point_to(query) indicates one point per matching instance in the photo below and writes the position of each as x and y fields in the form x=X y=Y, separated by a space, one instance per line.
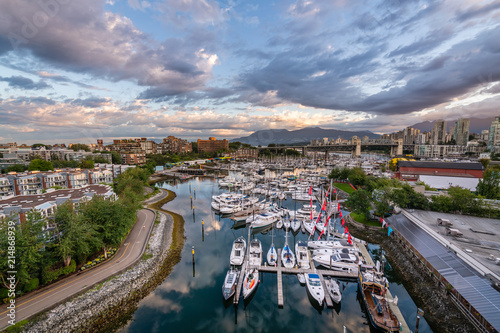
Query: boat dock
x=280 y=270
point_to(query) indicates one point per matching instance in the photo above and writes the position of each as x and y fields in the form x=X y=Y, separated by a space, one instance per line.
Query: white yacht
x=302 y=255
x=287 y=256
x=229 y=286
x=345 y=262
x=333 y=289
x=255 y=255
x=315 y=288
x=238 y=251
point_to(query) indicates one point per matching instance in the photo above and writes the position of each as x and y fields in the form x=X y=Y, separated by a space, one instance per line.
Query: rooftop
x=442 y=165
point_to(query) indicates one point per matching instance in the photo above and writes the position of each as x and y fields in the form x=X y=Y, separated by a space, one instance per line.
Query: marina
x=278 y=292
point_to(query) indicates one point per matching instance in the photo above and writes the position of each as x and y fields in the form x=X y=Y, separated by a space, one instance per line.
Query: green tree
x=87 y=164
x=79 y=146
x=15 y=168
x=485 y=162
x=234 y=145
x=40 y=165
x=357 y=176
x=359 y=202
x=65 y=164
x=464 y=201
x=75 y=237
x=29 y=242
x=489 y=185
x=441 y=203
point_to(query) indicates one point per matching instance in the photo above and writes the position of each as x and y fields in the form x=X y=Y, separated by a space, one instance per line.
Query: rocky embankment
x=111 y=304
x=440 y=311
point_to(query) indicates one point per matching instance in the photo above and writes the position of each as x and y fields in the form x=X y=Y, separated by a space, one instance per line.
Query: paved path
x=57 y=293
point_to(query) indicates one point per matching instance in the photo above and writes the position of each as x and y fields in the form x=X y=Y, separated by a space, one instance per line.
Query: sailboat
x=287 y=256
x=250 y=282
x=272 y=254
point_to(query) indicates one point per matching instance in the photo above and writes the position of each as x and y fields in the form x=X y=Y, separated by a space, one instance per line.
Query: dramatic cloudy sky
x=74 y=70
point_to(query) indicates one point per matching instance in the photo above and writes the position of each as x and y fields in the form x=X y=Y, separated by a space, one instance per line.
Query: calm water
x=190 y=299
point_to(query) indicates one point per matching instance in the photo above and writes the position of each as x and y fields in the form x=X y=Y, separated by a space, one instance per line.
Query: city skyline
x=76 y=72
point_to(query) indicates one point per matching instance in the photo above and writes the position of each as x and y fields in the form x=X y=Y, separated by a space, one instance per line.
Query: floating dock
x=280 y=270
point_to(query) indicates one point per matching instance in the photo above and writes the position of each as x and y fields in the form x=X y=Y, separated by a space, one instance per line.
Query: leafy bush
x=31 y=285
x=49 y=275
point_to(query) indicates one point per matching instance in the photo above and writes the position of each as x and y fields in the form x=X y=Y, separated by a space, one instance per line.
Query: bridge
x=354 y=147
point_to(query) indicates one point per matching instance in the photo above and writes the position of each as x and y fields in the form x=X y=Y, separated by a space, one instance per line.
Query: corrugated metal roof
x=442 y=165
x=473 y=287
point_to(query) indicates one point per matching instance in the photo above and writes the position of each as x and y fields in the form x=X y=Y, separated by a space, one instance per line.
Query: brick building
x=411 y=170
x=212 y=145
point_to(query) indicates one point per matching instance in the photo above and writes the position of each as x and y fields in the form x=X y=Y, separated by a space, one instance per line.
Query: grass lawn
x=344 y=187
x=361 y=219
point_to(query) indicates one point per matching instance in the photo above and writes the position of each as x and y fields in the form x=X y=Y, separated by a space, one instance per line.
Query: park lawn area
x=344 y=187
x=362 y=219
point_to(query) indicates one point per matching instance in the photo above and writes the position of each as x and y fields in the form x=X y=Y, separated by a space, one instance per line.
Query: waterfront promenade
x=46 y=298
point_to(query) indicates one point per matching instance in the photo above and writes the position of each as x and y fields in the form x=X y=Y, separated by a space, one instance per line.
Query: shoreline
x=109 y=306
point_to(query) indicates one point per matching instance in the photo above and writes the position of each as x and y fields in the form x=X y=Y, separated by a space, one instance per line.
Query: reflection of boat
x=238 y=251
x=230 y=282
x=255 y=255
x=315 y=288
x=373 y=287
x=332 y=287
x=251 y=281
x=302 y=255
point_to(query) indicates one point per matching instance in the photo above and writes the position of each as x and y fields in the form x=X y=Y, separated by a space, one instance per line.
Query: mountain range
x=283 y=136
x=476 y=125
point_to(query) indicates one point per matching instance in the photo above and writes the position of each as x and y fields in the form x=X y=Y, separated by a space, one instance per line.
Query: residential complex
x=212 y=145
x=36 y=182
x=494 y=135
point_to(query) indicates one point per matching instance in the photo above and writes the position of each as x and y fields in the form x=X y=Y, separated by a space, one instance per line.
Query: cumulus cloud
x=82 y=37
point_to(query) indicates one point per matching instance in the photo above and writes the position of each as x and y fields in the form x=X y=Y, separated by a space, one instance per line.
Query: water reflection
x=190 y=299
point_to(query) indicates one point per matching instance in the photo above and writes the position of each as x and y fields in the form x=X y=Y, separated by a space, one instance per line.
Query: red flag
x=324 y=206
x=340 y=213
x=338 y=207
x=349 y=239
x=314 y=227
x=334 y=190
x=346 y=230
x=343 y=222
x=311 y=212
x=381 y=220
x=310 y=190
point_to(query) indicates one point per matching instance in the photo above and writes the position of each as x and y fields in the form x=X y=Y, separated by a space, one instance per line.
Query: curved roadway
x=57 y=293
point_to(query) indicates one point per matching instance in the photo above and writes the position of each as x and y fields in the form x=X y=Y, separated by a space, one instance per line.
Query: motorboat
x=264 y=220
x=314 y=287
x=230 y=282
x=334 y=243
x=238 y=251
x=332 y=251
x=250 y=282
x=255 y=253
x=301 y=278
x=333 y=289
x=302 y=255
x=345 y=262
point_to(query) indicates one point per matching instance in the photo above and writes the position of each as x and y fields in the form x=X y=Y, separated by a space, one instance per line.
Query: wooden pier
x=241 y=278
